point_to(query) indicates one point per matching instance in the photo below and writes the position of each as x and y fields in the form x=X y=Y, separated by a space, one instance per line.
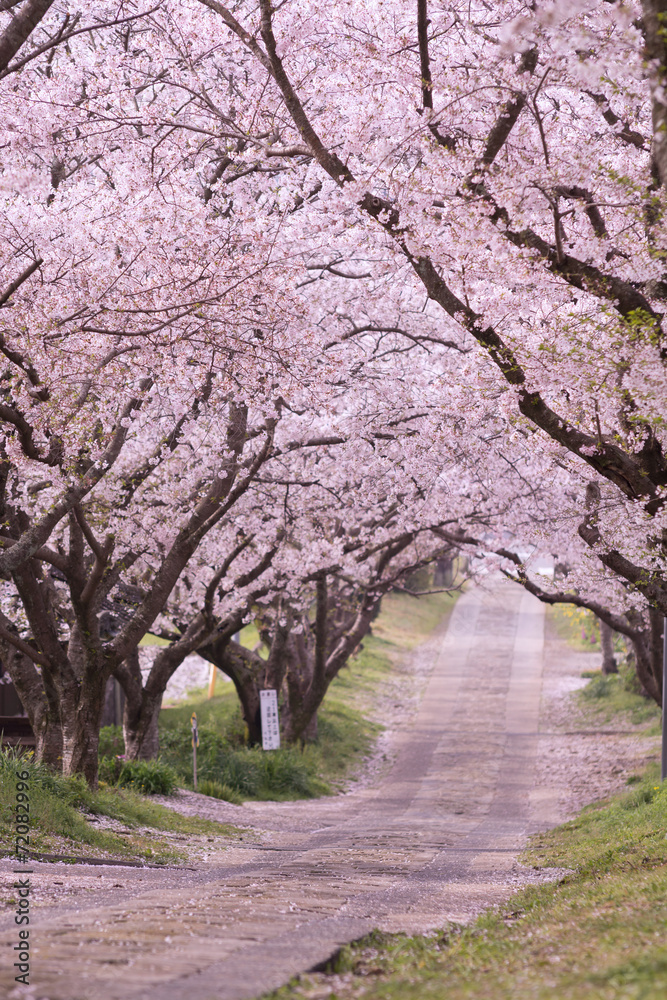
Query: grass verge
x=64 y=814
x=229 y=769
x=612 y=698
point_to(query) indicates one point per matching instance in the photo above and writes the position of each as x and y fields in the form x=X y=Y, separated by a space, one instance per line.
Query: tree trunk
x=607 y=643
x=315 y=658
x=40 y=702
x=252 y=714
x=81 y=707
x=141 y=711
x=301 y=727
x=81 y=737
x=246 y=670
x=48 y=741
x=297 y=712
x=647 y=648
x=140 y=728
x=656 y=654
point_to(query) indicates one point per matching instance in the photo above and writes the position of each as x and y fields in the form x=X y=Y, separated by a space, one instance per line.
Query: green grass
x=150 y=777
x=612 y=697
x=248 y=772
x=599 y=932
x=405 y=621
x=59 y=808
x=345 y=734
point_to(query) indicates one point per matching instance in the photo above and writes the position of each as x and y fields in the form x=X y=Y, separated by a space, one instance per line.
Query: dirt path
x=435 y=840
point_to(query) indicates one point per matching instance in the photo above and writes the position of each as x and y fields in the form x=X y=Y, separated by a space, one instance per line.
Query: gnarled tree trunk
x=140 y=712
x=319 y=653
x=81 y=712
x=607 y=643
x=249 y=673
x=647 y=646
x=40 y=702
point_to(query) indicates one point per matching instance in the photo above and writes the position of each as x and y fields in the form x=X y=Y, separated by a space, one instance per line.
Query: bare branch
x=20 y=28
x=23 y=647
x=424 y=59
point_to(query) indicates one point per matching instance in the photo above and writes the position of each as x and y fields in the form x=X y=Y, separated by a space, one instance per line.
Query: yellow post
x=211 y=680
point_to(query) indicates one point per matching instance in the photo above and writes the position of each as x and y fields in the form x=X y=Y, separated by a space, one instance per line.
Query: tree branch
x=239 y=31
x=20 y=28
x=332 y=164
x=23 y=647
x=507 y=119
x=63 y=37
x=424 y=59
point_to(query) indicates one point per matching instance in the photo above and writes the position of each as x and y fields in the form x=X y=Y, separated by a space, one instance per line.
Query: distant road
x=436 y=841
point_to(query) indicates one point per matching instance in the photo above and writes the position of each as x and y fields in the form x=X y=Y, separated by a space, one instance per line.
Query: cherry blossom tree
x=511 y=162
x=134 y=339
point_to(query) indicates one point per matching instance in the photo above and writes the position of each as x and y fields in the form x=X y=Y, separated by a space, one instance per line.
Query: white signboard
x=268 y=701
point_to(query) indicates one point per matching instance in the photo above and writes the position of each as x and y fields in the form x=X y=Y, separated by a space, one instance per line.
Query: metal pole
x=195 y=744
x=663 y=770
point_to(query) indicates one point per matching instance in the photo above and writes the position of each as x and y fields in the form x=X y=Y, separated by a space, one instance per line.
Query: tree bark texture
x=607 y=643
x=40 y=702
x=20 y=28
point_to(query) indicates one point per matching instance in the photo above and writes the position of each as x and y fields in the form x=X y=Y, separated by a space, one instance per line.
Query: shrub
x=599 y=687
x=111 y=741
x=217 y=790
x=248 y=772
x=151 y=777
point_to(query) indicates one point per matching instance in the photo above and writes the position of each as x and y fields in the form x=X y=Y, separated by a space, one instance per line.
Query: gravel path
x=482 y=762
